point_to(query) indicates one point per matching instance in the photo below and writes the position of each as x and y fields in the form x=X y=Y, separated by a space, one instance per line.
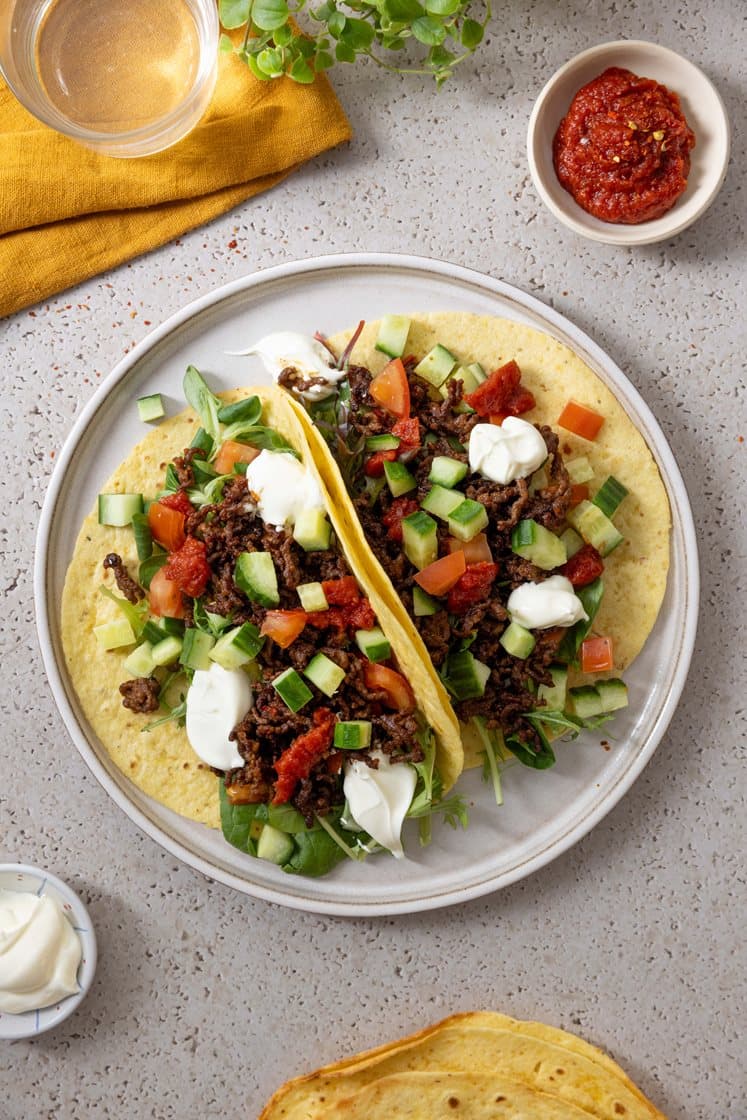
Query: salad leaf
x=246 y=412
x=267 y=439
x=542 y=759
x=203 y=401
x=316 y=853
x=135 y=613
x=591 y=597
x=236 y=821
x=149 y=567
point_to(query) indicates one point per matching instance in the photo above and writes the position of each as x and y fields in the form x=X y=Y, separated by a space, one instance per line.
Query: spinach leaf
x=315 y=854
x=591 y=597
x=537 y=760
x=247 y=412
x=236 y=821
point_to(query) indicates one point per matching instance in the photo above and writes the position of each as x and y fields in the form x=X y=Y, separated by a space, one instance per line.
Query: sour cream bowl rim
x=28 y=879
x=703 y=109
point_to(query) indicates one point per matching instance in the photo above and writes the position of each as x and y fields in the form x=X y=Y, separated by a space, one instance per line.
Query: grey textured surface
x=205 y=1000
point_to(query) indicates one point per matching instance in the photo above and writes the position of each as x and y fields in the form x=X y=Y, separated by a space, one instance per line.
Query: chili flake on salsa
x=623 y=148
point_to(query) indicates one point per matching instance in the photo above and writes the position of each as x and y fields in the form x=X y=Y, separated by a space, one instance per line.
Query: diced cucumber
x=467 y=520
x=441 y=501
x=436 y=365
x=579 y=470
x=292 y=689
x=392 y=337
x=353 y=735
x=140 y=663
x=447 y=472
x=167 y=651
x=573 y=543
x=248 y=639
x=477 y=372
x=613 y=694
x=236 y=647
x=422 y=603
x=465 y=676
x=150 y=408
x=595 y=527
x=274 y=846
x=312 y=597
x=119 y=509
x=609 y=496
x=537 y=544
x=585 y=701
x=172 y=626
x=399 y=479
x=554 y=694
x=152 y=632
x=325 y=674
x=114 y=634
x=374 y=644
x=312 y=530
x=256 y=576
x=469 y=384
x=385 y=442
x=517 y=640
x=420 y=539
x=197 y=646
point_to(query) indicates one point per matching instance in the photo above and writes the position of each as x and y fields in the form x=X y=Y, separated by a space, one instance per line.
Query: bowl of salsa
x=628 y=143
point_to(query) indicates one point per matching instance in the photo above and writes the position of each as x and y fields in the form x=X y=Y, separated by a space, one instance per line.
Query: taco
x=234 y=657
x=510 y=509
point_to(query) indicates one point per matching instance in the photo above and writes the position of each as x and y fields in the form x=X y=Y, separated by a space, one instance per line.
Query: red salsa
x=623 y=148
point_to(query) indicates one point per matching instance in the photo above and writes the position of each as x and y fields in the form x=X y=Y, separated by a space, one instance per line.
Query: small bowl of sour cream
x=47 y=951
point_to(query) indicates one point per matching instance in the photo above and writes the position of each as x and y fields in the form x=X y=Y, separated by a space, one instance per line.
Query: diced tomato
x=475 y=551
x=232 y=452
x=399 y=509
x=472 y=587
x=497 y=418
x=501 y=394
x=188 y=567
x=338 y=592
x=408 y=433
x=596 y=655
x=580 y=420
x=335 y=761
x=374 y=466
x=359 y=616
x=579 y=494
x=584 y=567
x=178 y=501
x=298 y=760
x=399 y=694
x=440 y=576
x=334 y=618
x=167 y=526
x=391 y=389
x=283 y=626
x=164 y=597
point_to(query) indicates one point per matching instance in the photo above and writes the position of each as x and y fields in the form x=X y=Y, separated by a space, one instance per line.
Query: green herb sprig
x=446 y=31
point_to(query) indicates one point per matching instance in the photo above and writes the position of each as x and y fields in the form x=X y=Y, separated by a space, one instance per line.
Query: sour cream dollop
x=217 y=700
x=283 y=486
x=39 y=953
x=315 y=378
x=379 y=799
x=503 y=454
x=538 y=606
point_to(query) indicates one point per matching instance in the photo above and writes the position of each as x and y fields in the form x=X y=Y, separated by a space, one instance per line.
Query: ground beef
x=126 y=584
x=183 y=465
x=140 y=694
x=436 y=632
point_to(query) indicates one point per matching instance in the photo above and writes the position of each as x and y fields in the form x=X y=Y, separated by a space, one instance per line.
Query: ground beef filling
x=131 y=590
x=140 y=694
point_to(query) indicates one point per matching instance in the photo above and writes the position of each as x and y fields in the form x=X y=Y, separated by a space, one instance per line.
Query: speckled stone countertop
x=205 y=1000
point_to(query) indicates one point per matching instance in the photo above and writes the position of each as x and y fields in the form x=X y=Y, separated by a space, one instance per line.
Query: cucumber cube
x=140 y=663
x=150 y=408
x=384 y=442
x=197 y=646
x=554 y=695
x=467 y=520
x=255 y=575
x=399 y=480
x=537 y=544
x=447 y=472
x=312 y=597
x=441 y=501
x=573 y=543
x=374 y=644
x=422 y=603
x=274 y=845
x=579 y=470
x=312 y=530
x=613 y=694
x=393 y=332
x=353 y=735
x=596 y=529
x=292 y=690
x=609 y=496
x=325 y=674
x=114 y=634
x=465 y=676
x=436 y=365
x=585 y=702
x=236 y=647
x=420 y=539
x=119 y=509
x=517 y=641
x=167 y=651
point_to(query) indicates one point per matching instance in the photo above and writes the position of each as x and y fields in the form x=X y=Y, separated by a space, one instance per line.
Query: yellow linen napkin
x=67 y=213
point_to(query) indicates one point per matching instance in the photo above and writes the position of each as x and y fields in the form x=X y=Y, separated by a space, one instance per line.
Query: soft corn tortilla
x=532 y=1057
x=635 y=574
x=161 y=762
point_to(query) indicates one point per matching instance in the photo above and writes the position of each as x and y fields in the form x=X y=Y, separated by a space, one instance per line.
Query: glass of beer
x=124 y=77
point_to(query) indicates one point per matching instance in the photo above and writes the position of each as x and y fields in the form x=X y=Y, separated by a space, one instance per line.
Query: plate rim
x=294 y=269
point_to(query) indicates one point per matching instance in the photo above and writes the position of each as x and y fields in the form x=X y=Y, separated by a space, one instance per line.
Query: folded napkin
x=67 y=213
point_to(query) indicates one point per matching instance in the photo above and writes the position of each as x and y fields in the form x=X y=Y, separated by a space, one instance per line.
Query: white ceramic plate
x=544 y=813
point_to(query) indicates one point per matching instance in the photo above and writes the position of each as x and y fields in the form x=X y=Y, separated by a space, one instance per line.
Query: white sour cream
x=283 y=487
x=217 y=700
x=307 y=356
x=503 y=454
x=379 y=799
x=39 y=953
x=538 y=606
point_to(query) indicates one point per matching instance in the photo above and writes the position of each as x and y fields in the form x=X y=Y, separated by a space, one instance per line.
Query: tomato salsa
x=623 y=148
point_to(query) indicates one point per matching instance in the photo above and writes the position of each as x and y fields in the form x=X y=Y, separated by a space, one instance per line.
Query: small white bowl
x=32 y=880
x=703 y=109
